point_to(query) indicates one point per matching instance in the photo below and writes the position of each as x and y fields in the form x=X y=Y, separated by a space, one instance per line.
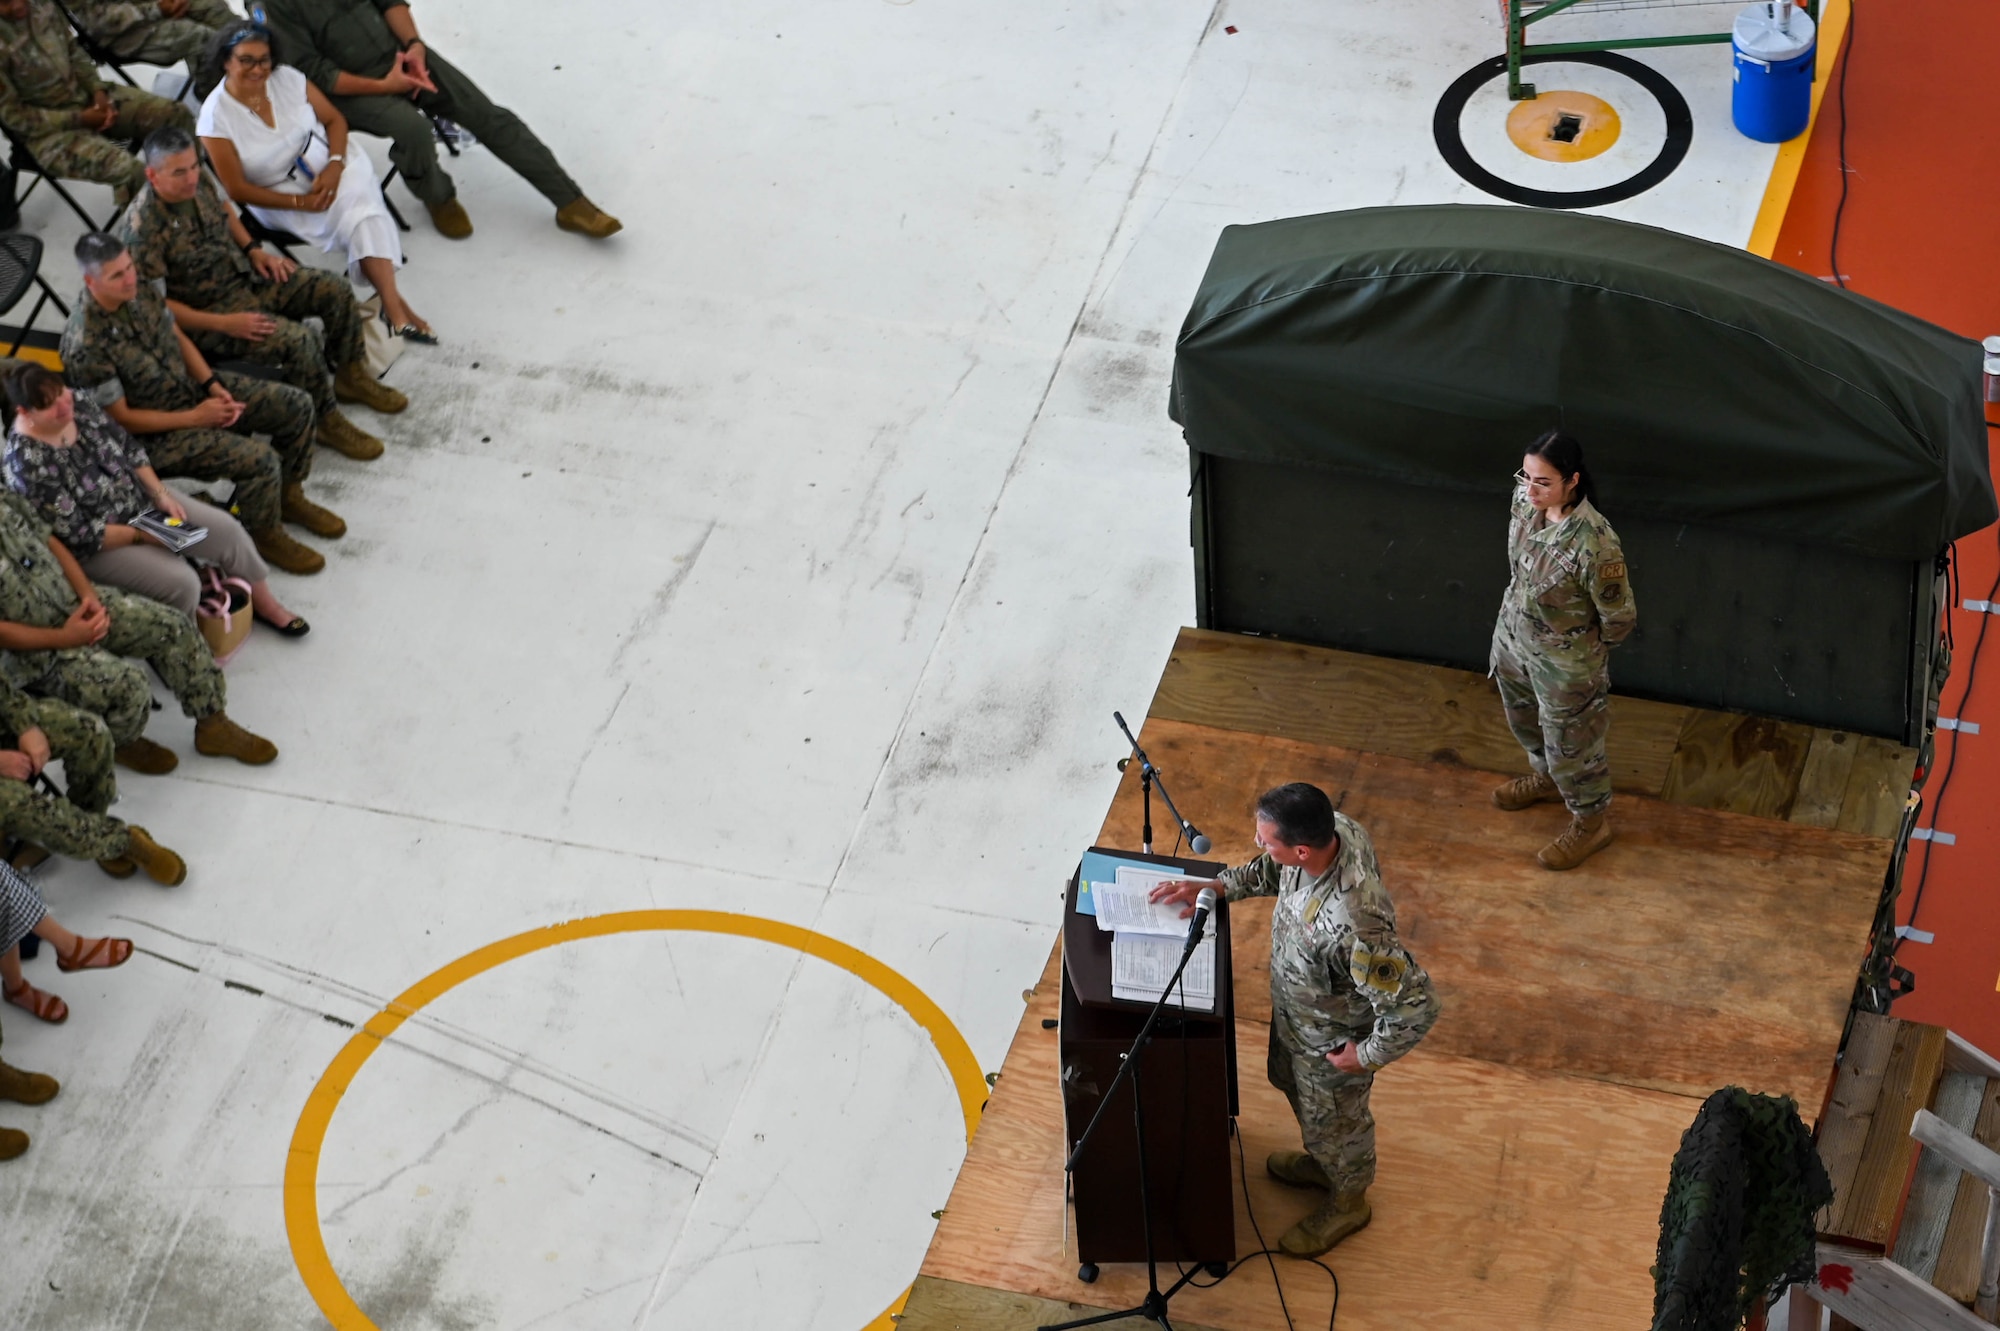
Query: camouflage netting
x=1737 y=1225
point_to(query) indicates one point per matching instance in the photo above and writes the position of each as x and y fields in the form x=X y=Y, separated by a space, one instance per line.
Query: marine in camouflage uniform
x=134 y=354
x=139 y=31
x=37 y=591
x=78 y=825
x=1339 y=975
x=193 y=251
x=1569 y=601
x=47 y=83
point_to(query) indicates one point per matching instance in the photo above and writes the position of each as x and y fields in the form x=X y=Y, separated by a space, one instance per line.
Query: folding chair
x=270 y=235
x=100 y=54
x=20 y=268
x=21 y=160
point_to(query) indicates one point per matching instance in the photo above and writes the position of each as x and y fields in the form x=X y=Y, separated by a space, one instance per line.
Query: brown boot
x=1336 y=1219
x=319 y=521
x=450 y=219
x=13 y=1143
x=27 y=1088
x=161 y=865
x=586 y=219
x=281 y=551
x=1298 y=1169
x=346 y=438
x=355 y=384
x=1524 y=791
x=142 y=755
x=219 y=737
x=1583 y=838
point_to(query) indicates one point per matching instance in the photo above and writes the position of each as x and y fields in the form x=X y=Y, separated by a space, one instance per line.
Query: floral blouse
x=79 y=487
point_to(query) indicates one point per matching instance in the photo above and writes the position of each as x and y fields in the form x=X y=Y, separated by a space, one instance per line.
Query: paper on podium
x=1123 y=905
x=1142 y=963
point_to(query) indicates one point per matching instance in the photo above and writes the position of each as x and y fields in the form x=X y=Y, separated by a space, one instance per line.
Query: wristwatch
x=336 y=157
x=210 y=382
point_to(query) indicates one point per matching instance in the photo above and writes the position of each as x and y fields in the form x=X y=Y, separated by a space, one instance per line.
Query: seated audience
x=67 y=639
x=122 y=350
x=74 y=824
x=239 y=301
x=51 y=95
x=22 y=913
x=88 y=479
x=25 y=1088
x=281 y=150
x=367 y=56
x=152 y=32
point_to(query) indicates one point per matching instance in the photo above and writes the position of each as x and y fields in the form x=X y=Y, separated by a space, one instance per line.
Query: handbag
x=223 y=613
x=381 y=347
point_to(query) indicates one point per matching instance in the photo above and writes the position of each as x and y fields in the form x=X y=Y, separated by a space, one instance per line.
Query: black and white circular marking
x=1672 y=128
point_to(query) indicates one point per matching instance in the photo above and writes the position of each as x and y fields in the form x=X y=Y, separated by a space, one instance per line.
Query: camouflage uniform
x=76 y=826
x=47 y=82
x=131 y=352
x=186 y=249
x=35 y=592
x=1568 y=603
x=1338 y=975
x=140 y=33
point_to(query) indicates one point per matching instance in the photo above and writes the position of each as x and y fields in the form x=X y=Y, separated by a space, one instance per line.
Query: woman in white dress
x=281 y=150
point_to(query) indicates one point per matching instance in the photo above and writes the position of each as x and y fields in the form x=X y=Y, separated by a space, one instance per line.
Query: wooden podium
x=1188 y=1087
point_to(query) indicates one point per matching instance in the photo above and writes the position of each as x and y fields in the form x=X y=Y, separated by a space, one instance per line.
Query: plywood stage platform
x=1524 y=1147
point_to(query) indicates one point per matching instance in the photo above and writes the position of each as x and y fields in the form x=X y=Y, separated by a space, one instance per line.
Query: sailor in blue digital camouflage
x=65 y=638
x=1569 y=601
x=1347 y=998
x=123 y=350
x=77 y=126
x=239 y=301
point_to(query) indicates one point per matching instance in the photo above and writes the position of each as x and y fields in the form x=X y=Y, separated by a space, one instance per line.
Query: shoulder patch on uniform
x=1380 y=971
x=1613 y=592
x=1613 y=571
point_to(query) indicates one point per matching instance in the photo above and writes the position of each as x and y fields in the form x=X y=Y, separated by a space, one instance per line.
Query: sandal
x=99 y=954
x=423 y=337
x=40 y=1002
x=292 y=628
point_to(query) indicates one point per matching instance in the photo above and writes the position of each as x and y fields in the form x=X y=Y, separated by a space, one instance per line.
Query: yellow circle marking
x=302 y=1160
x=1563 y=126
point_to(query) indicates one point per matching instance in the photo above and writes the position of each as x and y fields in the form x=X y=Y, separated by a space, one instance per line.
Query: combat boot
x=219 y=737
x=450 y=219
x=1525 y=791
x=142 y=755
x=349 y=440
x=13 y=1143
x=281 y=551
x=587 y=219
x=319 y=521
x=355 y=384
x=27 y=1088
x=1336 y=1219
x=142 y=852
x=1583 y=838
x=1298 y=1169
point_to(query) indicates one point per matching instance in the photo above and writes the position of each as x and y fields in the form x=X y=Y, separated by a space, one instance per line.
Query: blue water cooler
x=1775 y=46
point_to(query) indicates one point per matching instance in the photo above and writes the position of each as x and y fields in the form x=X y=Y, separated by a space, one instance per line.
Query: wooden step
x=1891 y=1070
x=1957 y=1266
x=1937 y=1184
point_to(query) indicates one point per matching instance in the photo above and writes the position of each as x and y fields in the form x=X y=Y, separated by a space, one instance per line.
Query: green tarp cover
x=1428 y=344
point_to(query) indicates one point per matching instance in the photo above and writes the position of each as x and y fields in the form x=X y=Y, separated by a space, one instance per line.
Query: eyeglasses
x=251 y=61
x=1535 y=483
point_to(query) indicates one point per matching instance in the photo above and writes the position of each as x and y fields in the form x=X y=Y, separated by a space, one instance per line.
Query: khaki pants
x=169 y=578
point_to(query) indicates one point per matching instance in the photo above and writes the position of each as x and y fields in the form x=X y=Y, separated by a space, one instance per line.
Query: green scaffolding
x=1521 y=13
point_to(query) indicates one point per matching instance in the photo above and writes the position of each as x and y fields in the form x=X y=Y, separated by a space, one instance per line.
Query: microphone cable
x=1267 y=1252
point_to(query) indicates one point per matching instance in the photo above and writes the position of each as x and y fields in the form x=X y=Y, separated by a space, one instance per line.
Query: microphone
x=1204 y=906
x=1197 y=843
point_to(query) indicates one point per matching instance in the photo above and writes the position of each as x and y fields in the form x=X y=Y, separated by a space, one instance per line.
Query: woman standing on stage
x=1568 y=603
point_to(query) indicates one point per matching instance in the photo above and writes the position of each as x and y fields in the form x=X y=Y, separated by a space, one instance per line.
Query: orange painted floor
x=1918 y=232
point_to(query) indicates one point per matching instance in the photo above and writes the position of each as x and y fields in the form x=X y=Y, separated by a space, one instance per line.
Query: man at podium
x=1346 y=996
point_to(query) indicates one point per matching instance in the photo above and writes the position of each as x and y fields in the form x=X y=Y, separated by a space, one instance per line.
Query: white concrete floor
x=786 y=556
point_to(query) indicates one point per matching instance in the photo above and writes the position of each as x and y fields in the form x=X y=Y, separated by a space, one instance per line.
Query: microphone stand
x=1154 y=1306
x=1149 y=776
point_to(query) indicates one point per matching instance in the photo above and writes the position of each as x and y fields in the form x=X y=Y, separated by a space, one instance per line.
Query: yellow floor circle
x=302 y=1161
x=1563 y=126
